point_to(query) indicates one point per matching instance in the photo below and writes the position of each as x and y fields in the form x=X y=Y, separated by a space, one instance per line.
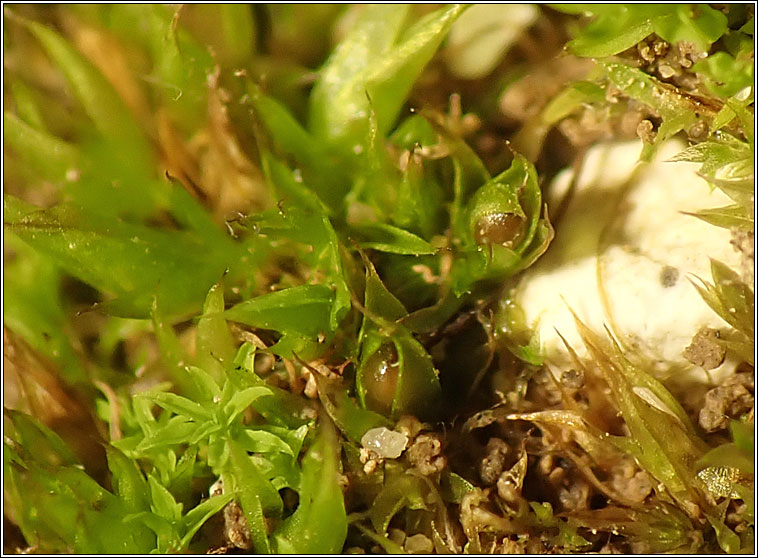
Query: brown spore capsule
x=379 y=377
x=499 y=228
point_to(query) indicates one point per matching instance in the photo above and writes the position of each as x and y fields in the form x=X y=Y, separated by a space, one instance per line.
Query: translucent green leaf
x=419 y=206
x=656 y=529
x=376 y=59
x=249 y=482
x=388 y=545
x=167 y=538
x=393 y=240
x=26 y=105
x=43 y=444
x=197 y=516
x=377 y=182
x=415 y=386
x=401 y=491
x=352 y=420
x=178 y=430
x=714 y=154
x=281 y=469
x=414 y=130
x=182 y=66
x=68 y=512
x=204 y=384
x=378 y=299
x=301 y=310
x=730 y=298
x=260 y=441
x=324 y=176
x=132 y=262
x=172 y=352
x=699 y=24
x=615 y=29
x=162 y=502
x=183 y=475
x=229 y=29
x=662 y=443
x=743 y=435
x=727 y=539
x=618 y=27
x=731 y=216
x=100 y=101
x=33 y=307
x=325 y=253
x=293 y=437
x=288 y=189
x=486 y=255
x=181 y=406
x=453 y=487
x=510 y=329
x=52 y=158
x=570 y=99
x=215 y=348
x=342 y=82
x=256 y=520
x=543 y=511
x=319 y=524
x=64 y=509
x=728 y=455
x=676 y=111
x=241 y=400
x=282 y=408
x=418 y=389
x=431 y=318
x=724 y=74
x=128 y=481
x=728 y=164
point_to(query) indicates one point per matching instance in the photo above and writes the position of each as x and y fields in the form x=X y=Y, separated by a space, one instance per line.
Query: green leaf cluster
x=617 y=27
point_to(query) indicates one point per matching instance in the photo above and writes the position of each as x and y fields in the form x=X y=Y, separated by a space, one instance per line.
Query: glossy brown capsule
x=506 y=229
x=379 y=377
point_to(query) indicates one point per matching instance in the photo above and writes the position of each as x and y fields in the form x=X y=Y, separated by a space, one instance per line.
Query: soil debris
x=492 y=464
x=730 y=400
x=426 y=454
x=706 y=349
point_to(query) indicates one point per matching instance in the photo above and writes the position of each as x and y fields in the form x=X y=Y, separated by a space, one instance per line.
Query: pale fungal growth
x=623 y=257
x=384 y=442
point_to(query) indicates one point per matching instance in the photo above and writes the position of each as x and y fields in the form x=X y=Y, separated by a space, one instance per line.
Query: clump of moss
x=229 y=256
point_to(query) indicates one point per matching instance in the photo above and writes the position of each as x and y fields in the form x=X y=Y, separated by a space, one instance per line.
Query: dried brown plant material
x=31 y=385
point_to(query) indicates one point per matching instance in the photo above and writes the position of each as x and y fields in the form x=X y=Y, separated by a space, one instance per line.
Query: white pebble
x=384 y=442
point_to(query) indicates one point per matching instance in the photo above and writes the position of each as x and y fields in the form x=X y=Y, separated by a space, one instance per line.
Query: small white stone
x=386 y=443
